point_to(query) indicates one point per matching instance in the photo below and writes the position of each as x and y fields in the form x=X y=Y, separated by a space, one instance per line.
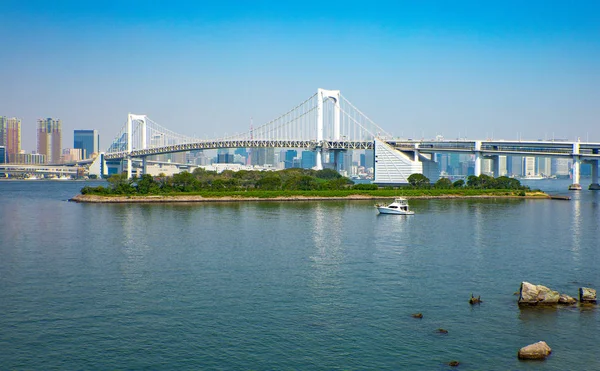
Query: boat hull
x=385 y=210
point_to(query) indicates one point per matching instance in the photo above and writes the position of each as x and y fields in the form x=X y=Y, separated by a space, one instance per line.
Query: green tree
x=119 y=184
x=443 y=183
x=327 y=174
x=271 y=182
x=504 y=182
x=418 y=180
x=146 y=185
x=338 y=183
x=184 y=182
x=459 y=183
x=487 y=182
x=302 y=183
x=473 y=181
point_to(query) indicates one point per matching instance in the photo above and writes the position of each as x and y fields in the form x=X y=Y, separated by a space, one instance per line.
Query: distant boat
x=32 y=177
x=533 y=177
x=398 y=207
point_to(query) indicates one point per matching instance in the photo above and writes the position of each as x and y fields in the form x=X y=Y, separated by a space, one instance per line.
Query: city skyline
x=504 y=70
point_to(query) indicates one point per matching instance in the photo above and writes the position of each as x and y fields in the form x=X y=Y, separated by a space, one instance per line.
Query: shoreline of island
x=238 y=198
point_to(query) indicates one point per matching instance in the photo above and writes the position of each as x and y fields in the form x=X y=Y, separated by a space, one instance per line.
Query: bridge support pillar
x=144 y=165
x=477 y=158
x=576 y=164
x=336 y=160
x=128 y=167
x=594 y=186
x=496 y=166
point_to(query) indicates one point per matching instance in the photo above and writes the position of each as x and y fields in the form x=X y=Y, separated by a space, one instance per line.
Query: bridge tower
x=322 y=96
x=143 y=143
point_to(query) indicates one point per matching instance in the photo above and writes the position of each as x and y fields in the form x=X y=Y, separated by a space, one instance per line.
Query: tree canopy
x=202 y=180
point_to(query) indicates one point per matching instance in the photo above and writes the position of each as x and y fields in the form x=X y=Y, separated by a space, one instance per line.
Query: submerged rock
x=417 y=315
x=453 y=363
x=475 y=300
x=587 y=295
x=539 y=350
x=566 y=300
x=441 y=331
x=531 y=294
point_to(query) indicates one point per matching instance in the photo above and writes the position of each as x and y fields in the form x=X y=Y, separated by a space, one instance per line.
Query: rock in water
x=475 y=300
x=566 y=300
x=539 y=350
x=453 y=363
x=417 y=315
x=441 y=331
x=531 y=294
x=587 y=295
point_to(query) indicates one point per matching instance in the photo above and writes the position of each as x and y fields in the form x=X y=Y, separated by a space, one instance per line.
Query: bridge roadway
x=485 y=148
x=502 y=147
x=245 y=143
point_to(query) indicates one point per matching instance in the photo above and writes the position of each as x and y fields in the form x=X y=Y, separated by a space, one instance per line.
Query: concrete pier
x=594 y=186
x=477 y=158
x=576 y=164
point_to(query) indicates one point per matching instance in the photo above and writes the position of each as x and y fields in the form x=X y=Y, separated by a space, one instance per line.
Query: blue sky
x=417 y=68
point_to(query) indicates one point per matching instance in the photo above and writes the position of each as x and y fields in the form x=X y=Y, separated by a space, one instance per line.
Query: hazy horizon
x=418 y=69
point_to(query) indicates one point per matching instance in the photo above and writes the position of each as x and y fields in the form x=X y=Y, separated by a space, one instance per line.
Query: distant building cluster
x=354 y=164
x=461 y=165
x=49 y=149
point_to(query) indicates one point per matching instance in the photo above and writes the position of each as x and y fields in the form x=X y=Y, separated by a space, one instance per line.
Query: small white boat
x=398 y=207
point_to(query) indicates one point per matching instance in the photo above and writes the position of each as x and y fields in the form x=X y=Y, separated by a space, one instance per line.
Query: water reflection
x=478 y=233
x=327 y=238
x=134 y=247
x=393 y=233
x=576 y=228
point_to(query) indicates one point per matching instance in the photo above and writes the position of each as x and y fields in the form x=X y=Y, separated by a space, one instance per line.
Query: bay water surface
x=291 y=285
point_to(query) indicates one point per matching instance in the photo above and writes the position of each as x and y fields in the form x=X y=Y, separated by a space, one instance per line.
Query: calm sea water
x=291 y=285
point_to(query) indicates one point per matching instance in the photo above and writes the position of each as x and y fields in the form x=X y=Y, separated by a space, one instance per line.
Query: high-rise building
x=502 y=167
x=347 y=162
x=560 y=166
x=26 y=158
x=2 y=155
x=88 y=141
x=72 y=154
x=3 y=131
x=486 y=167
x=49 y=139
x=243 y=153
x=529 y=166
x=290 y=155
x=308 y=160
x=369 y=158
x=225 y=158
x=263 y=156
x=544 y=166
x=516 y=166
x=10 y=135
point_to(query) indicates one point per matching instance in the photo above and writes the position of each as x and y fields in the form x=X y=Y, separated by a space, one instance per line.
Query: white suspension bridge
x=324 y=122
x=328 y=122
